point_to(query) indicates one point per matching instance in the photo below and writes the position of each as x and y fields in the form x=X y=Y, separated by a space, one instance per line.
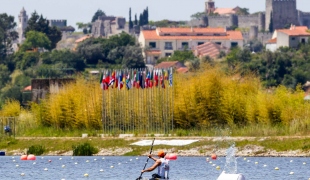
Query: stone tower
x=280 y=14
x=22 y=24
x=210 y=7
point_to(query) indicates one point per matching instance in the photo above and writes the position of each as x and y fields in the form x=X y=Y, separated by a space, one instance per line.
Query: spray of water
x=231 y=161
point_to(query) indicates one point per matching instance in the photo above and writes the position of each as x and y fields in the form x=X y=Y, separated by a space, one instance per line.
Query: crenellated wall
x=58 y=23
x=218 y=21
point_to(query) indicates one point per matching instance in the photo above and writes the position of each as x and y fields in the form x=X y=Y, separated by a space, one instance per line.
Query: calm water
x=184 y=168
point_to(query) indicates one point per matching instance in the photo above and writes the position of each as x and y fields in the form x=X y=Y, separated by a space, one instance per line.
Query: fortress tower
x=22 y=24
x=210 y=7
x=280 y=14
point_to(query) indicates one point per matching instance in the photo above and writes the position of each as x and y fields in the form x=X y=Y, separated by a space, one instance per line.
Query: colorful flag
x=147 y=80
x=128 y=81
x=112 y=79
x=156 y=78
x=170 y=77
x=120 y=80
x=107 y=79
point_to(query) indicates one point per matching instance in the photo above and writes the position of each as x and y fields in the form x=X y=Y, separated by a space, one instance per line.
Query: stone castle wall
x=58 y=23
x=245 y=21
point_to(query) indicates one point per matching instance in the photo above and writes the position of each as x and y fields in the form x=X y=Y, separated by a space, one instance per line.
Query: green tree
x=130 y=21
x=97 y=14
x=136 y=20
x=7 y=35
x=271 y=23
x=182 y=56
x=35 y=40
x=133 y=57
x=67 y=58
x=198 y=15
x=243 y=11
x=4 y=75
x=40 y=24
x=26 y=60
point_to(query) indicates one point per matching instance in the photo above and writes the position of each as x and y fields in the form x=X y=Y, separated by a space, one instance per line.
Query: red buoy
x=31 y=157
x=23 y=157
x=214 y=156
x=171 y=157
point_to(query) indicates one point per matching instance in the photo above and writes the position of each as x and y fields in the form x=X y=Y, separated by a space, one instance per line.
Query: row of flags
x=135 y=78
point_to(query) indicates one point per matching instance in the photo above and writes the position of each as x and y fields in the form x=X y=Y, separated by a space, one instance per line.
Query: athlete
x=162 y=164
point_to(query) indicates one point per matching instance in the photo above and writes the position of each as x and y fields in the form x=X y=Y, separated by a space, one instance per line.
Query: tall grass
x=203 y=101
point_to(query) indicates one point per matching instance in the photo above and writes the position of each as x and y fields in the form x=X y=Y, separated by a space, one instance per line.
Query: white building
x=162 y=42
x=288 y=37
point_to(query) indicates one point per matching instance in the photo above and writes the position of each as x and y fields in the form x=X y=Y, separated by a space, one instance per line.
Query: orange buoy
x=214 y=156
x=31 y=157
x=23 y=157
x=171 y=157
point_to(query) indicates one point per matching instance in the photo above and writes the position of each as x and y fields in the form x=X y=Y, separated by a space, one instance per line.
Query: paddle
x=146 y=160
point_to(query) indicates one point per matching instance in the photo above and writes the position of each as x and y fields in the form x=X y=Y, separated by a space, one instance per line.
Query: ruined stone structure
x=278 y=14
x=22 y=24
x=108 y=25
x=42 y=87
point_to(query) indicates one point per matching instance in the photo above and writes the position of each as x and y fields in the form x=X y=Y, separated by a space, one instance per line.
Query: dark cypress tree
x=136 y=20
x=141 y=20
x=40 y=24
x=271 y=23
x=144 y=17
x=147 y=16
x=130 y=21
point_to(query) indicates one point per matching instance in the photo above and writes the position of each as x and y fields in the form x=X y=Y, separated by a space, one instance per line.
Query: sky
x=83 y=10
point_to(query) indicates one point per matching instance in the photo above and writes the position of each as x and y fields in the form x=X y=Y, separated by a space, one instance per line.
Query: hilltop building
x=278 y=14
x=108 y=25
x=162 y=42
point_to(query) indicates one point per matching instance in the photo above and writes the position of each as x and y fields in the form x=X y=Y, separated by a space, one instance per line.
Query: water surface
x=184 y=168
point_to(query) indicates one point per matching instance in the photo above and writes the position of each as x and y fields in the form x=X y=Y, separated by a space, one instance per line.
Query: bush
x=36 y=150
x=85 y=149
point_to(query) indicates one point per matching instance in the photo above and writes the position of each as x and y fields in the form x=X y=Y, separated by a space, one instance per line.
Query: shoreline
x=205 y=147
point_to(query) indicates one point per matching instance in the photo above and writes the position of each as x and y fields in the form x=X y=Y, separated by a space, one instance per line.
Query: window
x=168 y=54
x=216 y=34
x=184 y=45
x=152 y=44
x=183 y=34
x=293 y=38
x=219 y=43
x=168 y=46
x=303 y=40
x=199 y=34
x=166 y=34
x=200 y=43
x=156 y=57
x=233 y=44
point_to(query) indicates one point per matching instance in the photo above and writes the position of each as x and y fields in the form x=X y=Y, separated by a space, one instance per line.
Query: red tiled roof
x=295 y=31
x=28 y=88
x=153 y=52
x=188 y=30
x=82 y=39
x=166 y=64
x=210 y=49
x=231 y=35
x=222 y=11
x=182 y=70
x=272 y=41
